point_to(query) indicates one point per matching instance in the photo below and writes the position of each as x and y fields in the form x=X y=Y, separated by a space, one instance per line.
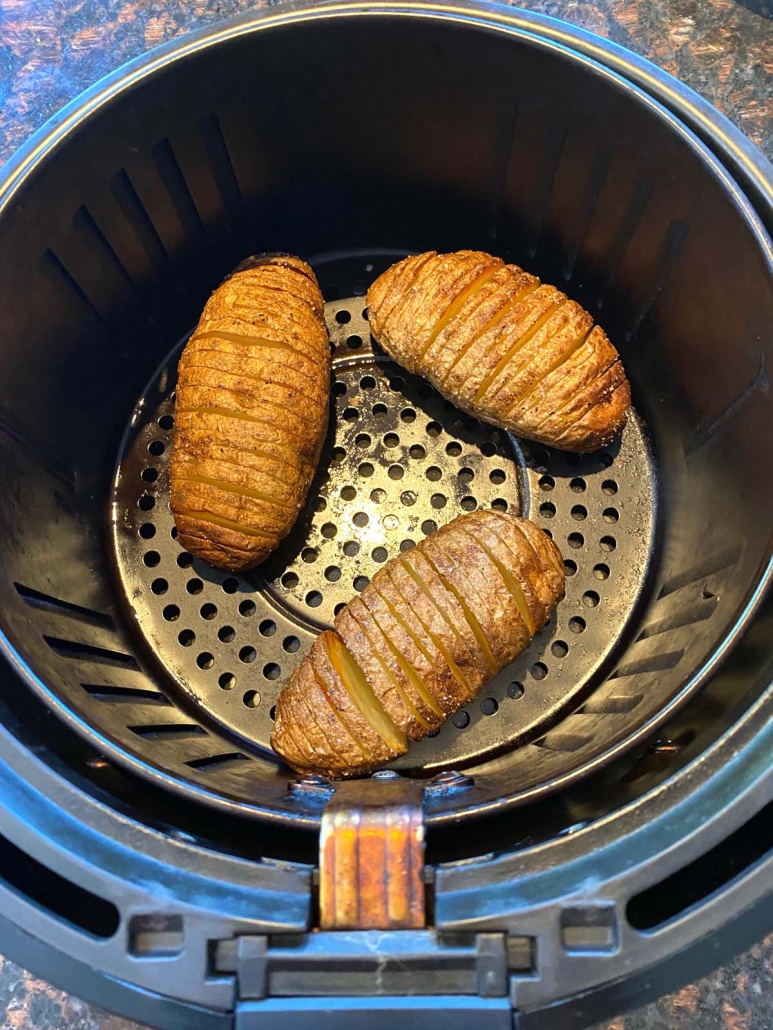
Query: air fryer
x=599 y=809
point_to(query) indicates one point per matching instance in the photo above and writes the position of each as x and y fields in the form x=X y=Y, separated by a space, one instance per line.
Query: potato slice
x=423 y=717
x=412 y=662
x=439 y=283
x=313 y=737
x=470 y=657
x=385 y=687
x=519 y=568
x=436 y=632
x=388 y=290
x=500 y=617
x=353 y=698
x=549 y=578
x=426 y=658
x=559 y=338
x=478 y=314
x=464 y=589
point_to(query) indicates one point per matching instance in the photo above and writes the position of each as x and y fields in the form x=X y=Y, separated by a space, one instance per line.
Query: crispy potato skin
x=503 y=347
x=251 y=412
x=436 y=615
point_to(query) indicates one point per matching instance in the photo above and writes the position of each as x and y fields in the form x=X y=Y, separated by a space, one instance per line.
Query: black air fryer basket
x=601 y=808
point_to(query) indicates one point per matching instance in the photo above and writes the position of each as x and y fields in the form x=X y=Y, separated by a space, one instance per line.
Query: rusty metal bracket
x=371 y=860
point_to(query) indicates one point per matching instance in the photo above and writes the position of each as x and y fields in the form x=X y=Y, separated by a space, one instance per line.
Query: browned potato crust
x=418 y=643
x=251 y=412
x=503 y=347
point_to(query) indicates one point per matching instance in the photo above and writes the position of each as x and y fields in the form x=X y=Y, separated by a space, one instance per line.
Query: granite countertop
x=50 y=50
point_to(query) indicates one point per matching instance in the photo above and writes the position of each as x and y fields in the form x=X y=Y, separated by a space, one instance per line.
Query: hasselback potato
x=433 y=626
x=251 y=412
x=502 y=346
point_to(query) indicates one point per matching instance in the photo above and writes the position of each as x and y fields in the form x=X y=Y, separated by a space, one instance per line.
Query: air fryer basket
x=142 y=682
x=439 y=140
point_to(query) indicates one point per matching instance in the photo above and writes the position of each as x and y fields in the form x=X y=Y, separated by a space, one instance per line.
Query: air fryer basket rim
x=729 y=144
x=65 y=827
x=123 y=80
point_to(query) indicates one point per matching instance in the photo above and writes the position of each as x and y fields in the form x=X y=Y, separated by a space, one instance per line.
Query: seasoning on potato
x=251 y=412
x=502 y=346
x=431 y=628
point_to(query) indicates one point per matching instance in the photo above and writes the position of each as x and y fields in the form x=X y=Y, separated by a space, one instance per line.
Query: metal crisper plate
x=399 y=462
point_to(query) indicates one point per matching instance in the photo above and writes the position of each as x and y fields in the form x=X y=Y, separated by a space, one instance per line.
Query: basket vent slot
x=90 y=653
x=710 y=565
x=563 y=742
x=687 y=617
x=217 y=761
x=45 y=602
x=653 y=663
x=139 y=219
x=611 y=705
x=125 y=695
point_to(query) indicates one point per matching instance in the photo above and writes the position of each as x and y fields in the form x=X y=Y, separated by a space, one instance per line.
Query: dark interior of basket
x=353 y=143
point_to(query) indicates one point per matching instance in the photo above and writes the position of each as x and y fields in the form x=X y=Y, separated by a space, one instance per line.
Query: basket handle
x=371 y=856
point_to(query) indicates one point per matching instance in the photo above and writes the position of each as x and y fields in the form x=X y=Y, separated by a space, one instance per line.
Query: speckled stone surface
x=50 y=50
x=737 y=997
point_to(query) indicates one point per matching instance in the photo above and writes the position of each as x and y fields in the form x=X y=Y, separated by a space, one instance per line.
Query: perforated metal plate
x=399 y=462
